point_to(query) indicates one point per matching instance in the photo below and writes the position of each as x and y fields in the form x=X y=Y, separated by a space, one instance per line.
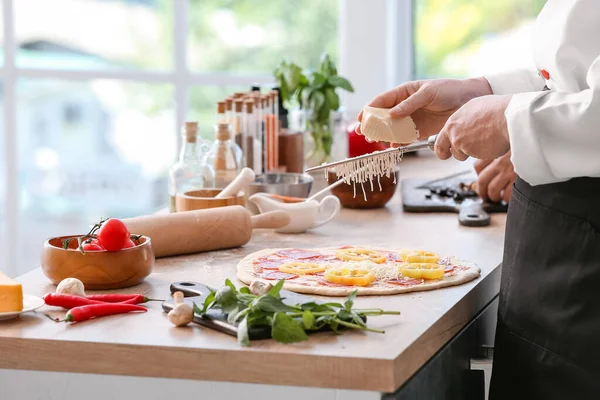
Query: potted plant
x=315 y=92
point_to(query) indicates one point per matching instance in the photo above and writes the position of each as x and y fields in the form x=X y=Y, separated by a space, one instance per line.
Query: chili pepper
x=68 y=301
x=121 y=298
x=83 y=313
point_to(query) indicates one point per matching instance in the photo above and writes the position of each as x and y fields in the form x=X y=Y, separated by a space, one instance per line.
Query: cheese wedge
x=11 y=295
x=378 y=126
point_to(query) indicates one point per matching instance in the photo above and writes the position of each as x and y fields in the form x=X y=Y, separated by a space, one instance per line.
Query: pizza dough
x=264 y=264
x=377 y=125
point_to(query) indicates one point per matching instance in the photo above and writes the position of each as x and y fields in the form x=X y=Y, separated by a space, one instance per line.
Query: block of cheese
x=378 y=126
x=11 y=295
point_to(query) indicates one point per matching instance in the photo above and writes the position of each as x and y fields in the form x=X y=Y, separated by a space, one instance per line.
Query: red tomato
x=93 y=245
x=130 y=243
x=113 y=234
x=358 y=145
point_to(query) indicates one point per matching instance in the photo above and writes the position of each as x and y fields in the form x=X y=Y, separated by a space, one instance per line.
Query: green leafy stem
x=288 y=323
x=315 y=91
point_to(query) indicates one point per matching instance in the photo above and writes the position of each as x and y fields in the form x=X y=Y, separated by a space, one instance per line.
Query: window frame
x=396 y=68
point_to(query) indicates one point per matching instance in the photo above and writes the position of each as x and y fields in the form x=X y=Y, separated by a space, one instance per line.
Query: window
x=98 y=90
x=460 y=38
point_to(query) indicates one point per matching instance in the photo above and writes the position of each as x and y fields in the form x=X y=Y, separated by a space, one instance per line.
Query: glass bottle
x=251 y=138
x=237 y=123
x=190 y=172
x=229 y=110
x=225 y=156
x=221 y=116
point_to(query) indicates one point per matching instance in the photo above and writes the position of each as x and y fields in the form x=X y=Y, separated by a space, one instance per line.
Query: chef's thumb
x=415 y=101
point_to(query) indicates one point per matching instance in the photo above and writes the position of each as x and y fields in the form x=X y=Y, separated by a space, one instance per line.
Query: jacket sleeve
x=555 y=136
x=517 y=81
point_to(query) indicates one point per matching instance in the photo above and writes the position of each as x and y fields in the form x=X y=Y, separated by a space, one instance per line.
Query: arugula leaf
x=232 y=316
x=340 y=82
x=208 y=302
x=285 y=329
x=231 y=286
x=308 y=319
x=245 y=298
x=336 y=305
x=242 y=333
x=226 y=299
x=350 y=300
x=311 y=305
x=270 y=304
x=274 y=291
x=245 y=290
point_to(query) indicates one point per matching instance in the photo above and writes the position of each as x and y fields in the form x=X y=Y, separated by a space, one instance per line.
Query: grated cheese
x=364 y=170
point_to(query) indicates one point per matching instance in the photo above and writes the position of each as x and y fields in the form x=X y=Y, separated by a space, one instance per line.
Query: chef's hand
x=430 y=102
x=478 y=129
x=495 y=178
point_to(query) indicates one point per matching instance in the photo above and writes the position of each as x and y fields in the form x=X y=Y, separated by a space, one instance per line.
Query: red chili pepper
x=83 y=313
x=68 y=301
x=121 y=298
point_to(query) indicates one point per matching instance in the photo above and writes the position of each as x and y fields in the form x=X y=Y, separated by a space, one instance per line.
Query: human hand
x=429 y=102
x=478 y=129
x=495 y=178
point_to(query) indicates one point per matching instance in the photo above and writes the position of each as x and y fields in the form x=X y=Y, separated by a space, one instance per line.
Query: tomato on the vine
x=130 y=243
x=92 y=245
x=113 y=235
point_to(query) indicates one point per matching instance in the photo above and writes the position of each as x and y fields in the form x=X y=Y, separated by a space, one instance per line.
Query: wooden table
x=146 y=345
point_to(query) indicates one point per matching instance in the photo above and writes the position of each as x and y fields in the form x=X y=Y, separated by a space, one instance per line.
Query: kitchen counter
x=147 y=345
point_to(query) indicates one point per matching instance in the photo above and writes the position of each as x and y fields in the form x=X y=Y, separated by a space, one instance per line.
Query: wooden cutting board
x=472 y=211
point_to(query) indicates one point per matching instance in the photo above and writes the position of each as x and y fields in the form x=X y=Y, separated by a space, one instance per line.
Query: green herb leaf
x=274 y=291
x=226 y=299
x=245 y=298
x=197 y=309
x=340 y=82
x=350 y=300
x=270 y=304
x=232 y=316
x=286 y=330
x=308 y=319
x=230 y=285
x=208 y=302
x=245 y=290
x=317 y=100
x=332 y=98
x=242 y=333
x=318 y=79
x=311 y=305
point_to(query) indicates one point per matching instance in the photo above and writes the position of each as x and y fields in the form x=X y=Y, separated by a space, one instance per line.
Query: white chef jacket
x=555 y=135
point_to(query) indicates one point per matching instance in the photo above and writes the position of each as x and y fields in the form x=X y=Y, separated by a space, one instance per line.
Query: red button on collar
x=545 y=74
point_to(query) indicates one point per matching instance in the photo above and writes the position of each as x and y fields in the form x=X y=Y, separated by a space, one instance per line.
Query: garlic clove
x=72 y=286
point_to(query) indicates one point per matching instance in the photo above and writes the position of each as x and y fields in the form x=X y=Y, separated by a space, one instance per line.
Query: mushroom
x=182 y=314
x=72 y=286
x=258 y=287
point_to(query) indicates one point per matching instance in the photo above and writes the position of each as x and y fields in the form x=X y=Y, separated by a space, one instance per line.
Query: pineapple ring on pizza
x=422 y=270
x=349 y=276
x=419 y=256
x=359 y=254
x=302 y=268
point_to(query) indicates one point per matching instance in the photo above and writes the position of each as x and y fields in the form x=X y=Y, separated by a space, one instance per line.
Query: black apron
x=547 y=342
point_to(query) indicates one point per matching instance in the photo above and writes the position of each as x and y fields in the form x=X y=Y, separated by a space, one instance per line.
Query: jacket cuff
x=517 y=81
x=527 y=153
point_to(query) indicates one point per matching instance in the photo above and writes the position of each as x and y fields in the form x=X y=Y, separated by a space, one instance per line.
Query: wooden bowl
x=375 y=198
x=97 y=269
x=201 y=199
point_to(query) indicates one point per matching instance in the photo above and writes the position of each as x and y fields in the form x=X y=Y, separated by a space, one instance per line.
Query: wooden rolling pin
x=203 y=230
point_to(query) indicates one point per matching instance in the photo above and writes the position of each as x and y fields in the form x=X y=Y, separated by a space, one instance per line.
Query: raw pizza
x=339 y=271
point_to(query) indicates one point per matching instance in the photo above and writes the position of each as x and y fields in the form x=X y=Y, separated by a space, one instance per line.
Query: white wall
x=376 y=47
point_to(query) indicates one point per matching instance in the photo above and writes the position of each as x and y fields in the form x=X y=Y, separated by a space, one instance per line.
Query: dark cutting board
x=195 y=292
x=472 y=210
